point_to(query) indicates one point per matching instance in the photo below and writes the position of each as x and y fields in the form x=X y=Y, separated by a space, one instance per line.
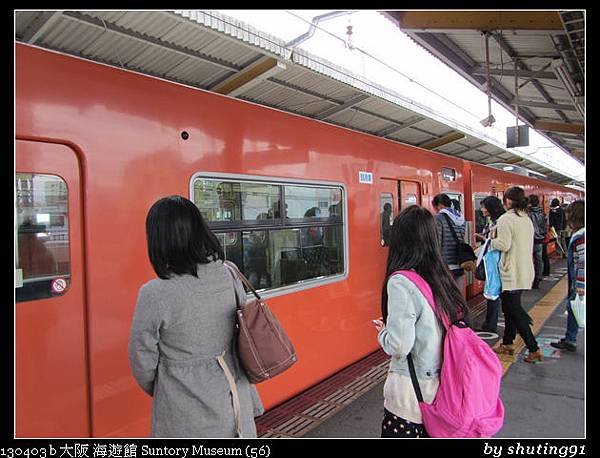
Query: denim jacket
x=411 y=327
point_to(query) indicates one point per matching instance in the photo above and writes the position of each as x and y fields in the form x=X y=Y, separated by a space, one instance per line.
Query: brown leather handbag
x=264 y=348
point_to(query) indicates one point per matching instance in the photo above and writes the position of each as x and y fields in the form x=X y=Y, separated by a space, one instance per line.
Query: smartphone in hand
x=378 y=323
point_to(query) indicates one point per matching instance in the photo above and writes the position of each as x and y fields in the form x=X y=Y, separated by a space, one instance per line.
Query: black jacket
x=558 y=219
x=539 y=223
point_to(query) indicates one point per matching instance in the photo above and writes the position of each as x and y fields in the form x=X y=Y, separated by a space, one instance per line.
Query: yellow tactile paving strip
x=540 y=312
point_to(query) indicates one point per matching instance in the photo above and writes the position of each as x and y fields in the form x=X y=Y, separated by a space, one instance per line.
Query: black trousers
x=546 y=260
x=516 y=320
x=491 y=316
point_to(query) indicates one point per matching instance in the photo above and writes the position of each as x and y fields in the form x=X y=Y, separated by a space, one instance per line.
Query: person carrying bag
x=264 y=348
x=464 y=252
x=468 y=402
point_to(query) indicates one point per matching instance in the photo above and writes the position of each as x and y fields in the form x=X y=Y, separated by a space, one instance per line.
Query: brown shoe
x=504 y=349
x=534 y=357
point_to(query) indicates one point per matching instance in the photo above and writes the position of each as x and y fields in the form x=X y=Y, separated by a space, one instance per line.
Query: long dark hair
x=178 y=238
x=414 y=245
x=494 y=207
x=519 y=200
x=576 y=215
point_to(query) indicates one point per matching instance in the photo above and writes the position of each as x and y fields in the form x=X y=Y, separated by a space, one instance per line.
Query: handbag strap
x=451 y=226
x=235 y=399
x=234 y=269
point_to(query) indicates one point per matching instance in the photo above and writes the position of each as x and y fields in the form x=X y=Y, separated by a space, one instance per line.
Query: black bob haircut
x=442 y=199
x=178 y=238
x=494 y=207
x=534 y=200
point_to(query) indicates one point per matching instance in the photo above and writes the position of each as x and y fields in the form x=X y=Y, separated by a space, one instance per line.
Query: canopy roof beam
x=553 y=126
x=444 y=140
x=440 y=21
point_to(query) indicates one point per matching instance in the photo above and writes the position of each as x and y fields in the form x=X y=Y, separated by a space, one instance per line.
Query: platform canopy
x=214 y=52
x=535 y=61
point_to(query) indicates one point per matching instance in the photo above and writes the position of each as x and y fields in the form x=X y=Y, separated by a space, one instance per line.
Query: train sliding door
x=51 y=386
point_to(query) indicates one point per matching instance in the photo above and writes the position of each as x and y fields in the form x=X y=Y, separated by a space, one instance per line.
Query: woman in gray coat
x=182 y=342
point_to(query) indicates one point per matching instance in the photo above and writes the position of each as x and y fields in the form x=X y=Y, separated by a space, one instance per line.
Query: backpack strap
x=413 y=378
x=425 y=289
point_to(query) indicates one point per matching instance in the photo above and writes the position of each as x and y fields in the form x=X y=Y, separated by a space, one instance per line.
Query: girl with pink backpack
x=443 y=381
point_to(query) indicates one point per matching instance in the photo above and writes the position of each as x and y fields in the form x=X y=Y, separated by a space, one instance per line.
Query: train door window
x=409 y=193
x=480 y=220
x=457 y=201
x=302 y=245
x=386 y=217
x=42 y=236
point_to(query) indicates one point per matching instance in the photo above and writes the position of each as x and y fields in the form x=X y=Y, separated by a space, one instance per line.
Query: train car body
x=96 y=146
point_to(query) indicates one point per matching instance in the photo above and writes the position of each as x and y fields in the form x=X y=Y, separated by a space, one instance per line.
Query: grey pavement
x=543 y=400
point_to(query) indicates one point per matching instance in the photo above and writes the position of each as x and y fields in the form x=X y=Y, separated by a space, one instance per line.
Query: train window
x=223 y=201
x=42 y=237
x=448 y=174
x=387 y=217
x=303 y=244
x=310 y=203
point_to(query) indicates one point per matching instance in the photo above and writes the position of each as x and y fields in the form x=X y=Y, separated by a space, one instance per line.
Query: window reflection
x=42 y=236
x=386 y=217
x=229 y=201
x=275 y=242
x=280 y=257
x=311 y=202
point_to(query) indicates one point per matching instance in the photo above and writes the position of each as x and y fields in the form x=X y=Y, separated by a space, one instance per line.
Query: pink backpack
x=467 y=403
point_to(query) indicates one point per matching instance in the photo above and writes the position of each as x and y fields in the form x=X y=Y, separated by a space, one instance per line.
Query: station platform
x=541 y=400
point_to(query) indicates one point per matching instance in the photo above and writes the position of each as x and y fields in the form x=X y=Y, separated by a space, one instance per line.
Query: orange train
x=296 y=203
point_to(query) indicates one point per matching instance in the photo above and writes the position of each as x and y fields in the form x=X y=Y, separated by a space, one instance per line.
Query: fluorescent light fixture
x=508 y=167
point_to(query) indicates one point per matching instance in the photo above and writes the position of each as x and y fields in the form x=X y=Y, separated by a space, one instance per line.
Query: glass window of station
x=278 y=234
x=42 y=267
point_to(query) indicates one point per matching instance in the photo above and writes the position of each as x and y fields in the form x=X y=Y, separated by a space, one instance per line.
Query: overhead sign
x=365 y=177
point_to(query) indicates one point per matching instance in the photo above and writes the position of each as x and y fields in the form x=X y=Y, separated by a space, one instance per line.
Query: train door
x=409 y=193
x=51 y=387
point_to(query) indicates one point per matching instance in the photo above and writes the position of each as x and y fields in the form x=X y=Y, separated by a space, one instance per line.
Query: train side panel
x=127 y=129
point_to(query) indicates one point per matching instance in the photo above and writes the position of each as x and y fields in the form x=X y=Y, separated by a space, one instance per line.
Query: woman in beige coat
x=515 y=240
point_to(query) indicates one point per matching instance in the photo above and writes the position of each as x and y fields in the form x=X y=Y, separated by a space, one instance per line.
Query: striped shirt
x=578 y=247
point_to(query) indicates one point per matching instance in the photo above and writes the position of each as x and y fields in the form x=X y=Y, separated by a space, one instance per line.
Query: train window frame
x=282 y=223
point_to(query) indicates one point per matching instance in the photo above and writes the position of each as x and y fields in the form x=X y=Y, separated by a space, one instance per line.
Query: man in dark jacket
x=536 y=213
x=447 y=215
x=558 y=220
